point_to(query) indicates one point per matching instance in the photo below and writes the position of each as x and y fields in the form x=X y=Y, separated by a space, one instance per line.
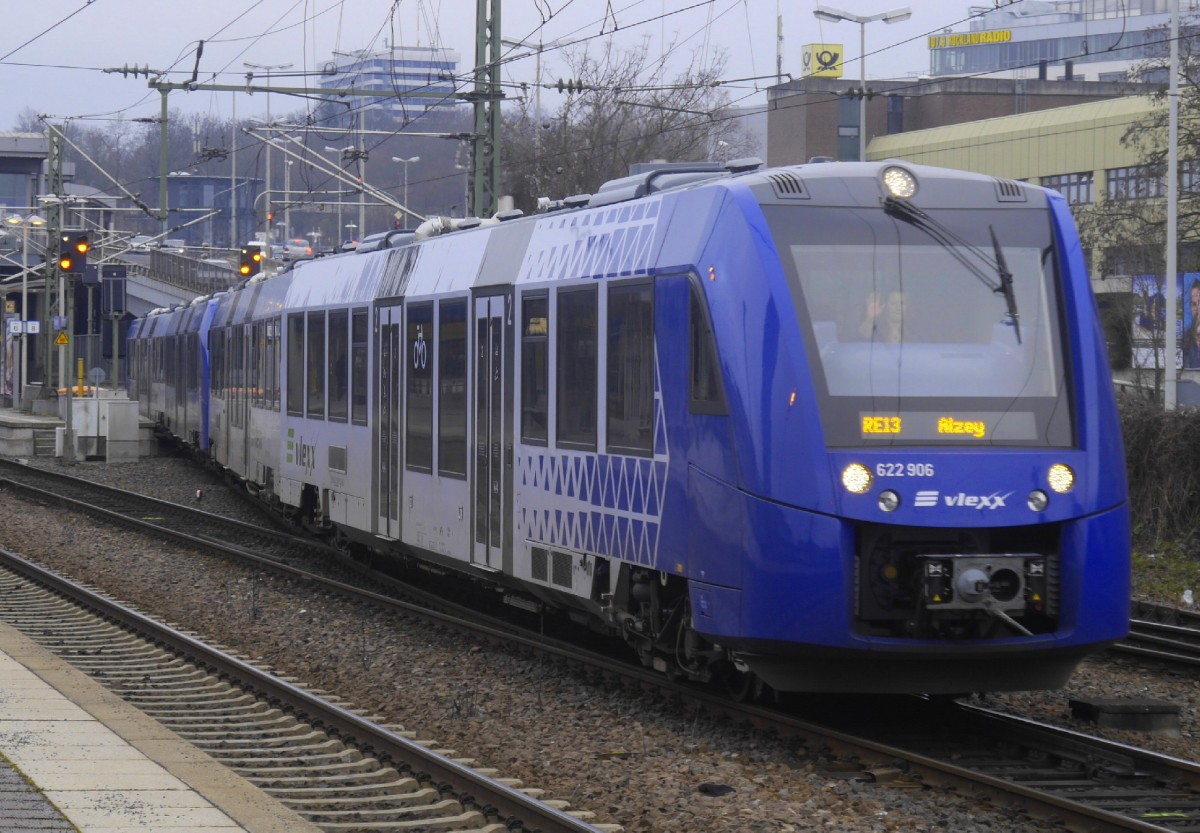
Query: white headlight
x=899 y=182
x=856 y=478
x=1061 y=478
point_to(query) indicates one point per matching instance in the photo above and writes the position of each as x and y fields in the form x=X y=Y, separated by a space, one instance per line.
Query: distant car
x=140 y=243
x=294 y=248
x=174 y=244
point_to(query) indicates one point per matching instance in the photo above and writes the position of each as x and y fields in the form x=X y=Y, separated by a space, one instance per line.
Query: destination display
x=975 y=426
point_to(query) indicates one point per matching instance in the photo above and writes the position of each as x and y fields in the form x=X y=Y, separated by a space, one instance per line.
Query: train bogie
x=843 y=427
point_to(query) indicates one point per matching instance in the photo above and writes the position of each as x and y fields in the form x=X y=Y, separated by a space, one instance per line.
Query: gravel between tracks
x=627 y=758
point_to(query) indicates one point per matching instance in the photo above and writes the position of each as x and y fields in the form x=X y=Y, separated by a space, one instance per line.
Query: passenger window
x=452 y=388
x=419 y=369
x=359 y=346
x=707 y=393
x=577 y=340
x=630 y=386
x=315 y=404
x=339 y=364
x=295 y=364
x=256 y=366
x=535 y=369
x=274 y=346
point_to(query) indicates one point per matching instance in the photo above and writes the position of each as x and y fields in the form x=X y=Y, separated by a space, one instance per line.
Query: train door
x=389 y=358
x=493 y=437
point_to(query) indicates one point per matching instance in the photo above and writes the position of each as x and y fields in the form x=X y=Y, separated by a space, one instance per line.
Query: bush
x=1162 y=458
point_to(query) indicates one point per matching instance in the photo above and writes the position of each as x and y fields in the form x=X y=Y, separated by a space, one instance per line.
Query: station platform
x=75 y=757
x=27 y=434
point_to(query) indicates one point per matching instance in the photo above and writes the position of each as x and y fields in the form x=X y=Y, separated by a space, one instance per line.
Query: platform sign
x=14 y=326
x=33 y=327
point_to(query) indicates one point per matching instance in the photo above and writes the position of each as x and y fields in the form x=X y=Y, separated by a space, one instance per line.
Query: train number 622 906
x=904 y=469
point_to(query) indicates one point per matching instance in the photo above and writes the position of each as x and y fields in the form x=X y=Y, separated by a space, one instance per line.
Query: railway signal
x=251 y=261
x=72 y=253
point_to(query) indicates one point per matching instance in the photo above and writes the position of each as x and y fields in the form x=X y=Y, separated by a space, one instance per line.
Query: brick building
x=815 y=116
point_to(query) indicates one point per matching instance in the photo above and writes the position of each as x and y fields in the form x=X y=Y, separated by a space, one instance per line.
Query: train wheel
x=740 y=686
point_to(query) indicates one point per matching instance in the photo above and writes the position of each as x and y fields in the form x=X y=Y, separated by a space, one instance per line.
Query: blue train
x=834 y=427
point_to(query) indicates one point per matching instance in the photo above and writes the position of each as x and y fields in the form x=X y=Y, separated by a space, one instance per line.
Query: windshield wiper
x=1006 y=284
x=958 y=247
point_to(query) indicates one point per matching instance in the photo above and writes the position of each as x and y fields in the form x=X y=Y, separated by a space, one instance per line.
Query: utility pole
x=485 y=153
x=485 y=97
x=54 y=228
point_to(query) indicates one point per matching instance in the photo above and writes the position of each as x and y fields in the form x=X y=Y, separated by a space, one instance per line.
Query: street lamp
x=405 y=162
x=267 y=178
x=359 y=155
x=833 y=16
x=339 y=222
x=32 y=221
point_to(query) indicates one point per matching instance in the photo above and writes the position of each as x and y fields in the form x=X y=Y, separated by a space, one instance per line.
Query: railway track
x=1088 y=782
x=337 y=768
x=1167 y=634
x=171 y=519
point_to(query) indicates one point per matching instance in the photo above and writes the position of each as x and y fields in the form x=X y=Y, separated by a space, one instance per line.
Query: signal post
x=72 y=262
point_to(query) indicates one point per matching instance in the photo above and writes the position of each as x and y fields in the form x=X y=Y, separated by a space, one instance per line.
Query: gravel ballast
x=627 y=757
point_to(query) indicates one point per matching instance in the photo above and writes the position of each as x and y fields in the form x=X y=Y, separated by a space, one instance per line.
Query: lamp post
x=31 y=221
x=337 y=243
x=834 y=15
x=405 y=162
x=267 y=178
x=287 y=191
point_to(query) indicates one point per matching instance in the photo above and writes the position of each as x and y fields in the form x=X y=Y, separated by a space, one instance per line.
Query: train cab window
x=295 y=364
x=359 y=347
x=630 y=385
x=339 y=365
x=577 y=353
x=535 y=368
x=315 y=350
x=452 y=388
x=419 y=368
x=707 y=396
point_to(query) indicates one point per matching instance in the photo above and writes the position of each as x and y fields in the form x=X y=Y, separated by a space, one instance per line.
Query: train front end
x=934 y=483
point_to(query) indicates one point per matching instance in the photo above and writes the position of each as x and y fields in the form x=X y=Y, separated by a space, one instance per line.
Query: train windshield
x=911 y=331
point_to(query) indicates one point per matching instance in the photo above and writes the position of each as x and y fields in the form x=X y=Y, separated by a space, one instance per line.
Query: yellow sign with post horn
x=823 y=60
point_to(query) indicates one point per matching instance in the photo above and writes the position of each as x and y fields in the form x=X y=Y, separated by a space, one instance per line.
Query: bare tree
x=1126 y=228
x=619 y=109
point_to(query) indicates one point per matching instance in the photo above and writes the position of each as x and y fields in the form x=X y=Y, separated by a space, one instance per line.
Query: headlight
x=889 y=501
x=856 y=478
x=899 y=183
x=1061 y=478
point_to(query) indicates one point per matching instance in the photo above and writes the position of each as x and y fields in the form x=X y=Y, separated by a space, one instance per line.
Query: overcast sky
x=52 y=53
